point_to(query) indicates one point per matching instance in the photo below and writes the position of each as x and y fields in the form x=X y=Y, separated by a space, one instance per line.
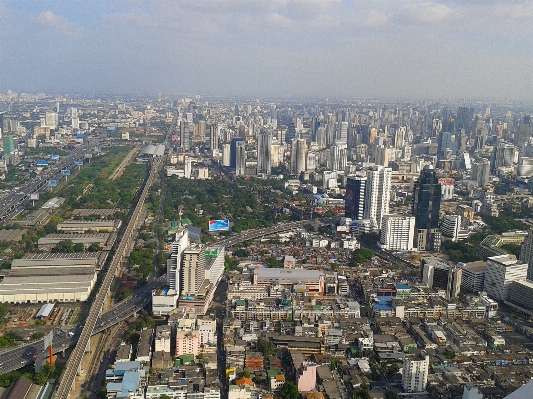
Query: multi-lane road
x=63 y=339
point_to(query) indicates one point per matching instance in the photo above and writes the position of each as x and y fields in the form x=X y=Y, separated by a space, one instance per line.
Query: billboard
x=66 y=172
x=219 y=225
x=42 y=162
x=34 y=197
x=52 y=183
x=54 y=156
x=78 y=162
x=174 y=138
x=112 y=128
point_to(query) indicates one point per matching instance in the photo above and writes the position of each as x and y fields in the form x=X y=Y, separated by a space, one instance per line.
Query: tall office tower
x=354 y=199
x=75 y=123
x=397 y=233
x=10 y=125
x=185 y=135
x=377 y=194
x=233 y=151
x=226 y=154
x=426 y=208
x=526 y=254
x=181 y=241
x=321 y=137
x=201 y=129
x=311 y=161
x=462 y=139
x=193 y=269
x=481 y=172
x=381 y=156
x=213 y=136
x=342 y=132
x=464 y=119
x=372 y=134
x=188 y=167
x=236 y=112
x=338 y=157
x=438 y=274
x=9 y=145
x=242 y=132
x=51 y=119
x=240 y=158
x=446 y=145
x=480 y=140
x=415 y=372
x=264 y=148
x=275 y=153
x=436 y=127
x=501 y=271
x=399 y=137
x=330 y=134
x=298 y=149
x=291 y=133
x=505 y=154
x=525 y=129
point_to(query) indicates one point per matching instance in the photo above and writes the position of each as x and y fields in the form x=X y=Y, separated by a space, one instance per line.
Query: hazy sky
x=460 y=49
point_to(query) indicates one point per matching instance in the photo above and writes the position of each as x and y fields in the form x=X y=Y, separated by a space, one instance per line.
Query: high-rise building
x=226 y=154
x=426 y=208
x=193 y=269
x=438 y=274
x=298 y=149
x=240 y=158
x=185 y=135
x=213 y=136
x=338 y=157
x=451 y=226
x=291 y=133
x=342 y=132
x=264 y=148
x=9 y=145
x=446 y=145
x=51 y=119
x=397 y=233
x=377 y=195
x=501 y=271
x=233 y=151
x=181 y=242
x=524 y=131
x=526 y=254
x=481 y=172
x=415 y=372
x=354 y=199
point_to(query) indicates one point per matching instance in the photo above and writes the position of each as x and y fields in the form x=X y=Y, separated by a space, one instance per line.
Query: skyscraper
x=193 y=270
x=233 y=151
x=377 y=195
x=526 y=254
x=240 y=158
x=181 y=242
x=426 y=208
x=184 y=135
x=354 y=199
x=264 y=149
x=213 y=136
x=298 y=148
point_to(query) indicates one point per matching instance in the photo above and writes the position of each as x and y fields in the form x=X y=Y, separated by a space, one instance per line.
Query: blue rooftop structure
x=382 y=306
x=130 y=383
x=402 y=287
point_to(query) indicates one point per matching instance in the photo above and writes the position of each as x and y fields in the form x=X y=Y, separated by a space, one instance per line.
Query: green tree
x=289 y=391
x=78 y=247
x=93 y=248
x=266 y=347
x=65 y=246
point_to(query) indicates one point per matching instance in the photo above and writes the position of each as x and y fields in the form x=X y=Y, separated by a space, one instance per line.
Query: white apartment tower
x=415 y=372
x=377 y=194
x=397 y=233
x=501 y=271
x=193 y=269
x=174 y=262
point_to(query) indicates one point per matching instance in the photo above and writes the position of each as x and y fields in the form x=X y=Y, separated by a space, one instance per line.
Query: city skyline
x=422 y=49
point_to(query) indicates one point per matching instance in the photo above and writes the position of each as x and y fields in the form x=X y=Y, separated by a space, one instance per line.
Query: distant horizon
x=461 y=49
